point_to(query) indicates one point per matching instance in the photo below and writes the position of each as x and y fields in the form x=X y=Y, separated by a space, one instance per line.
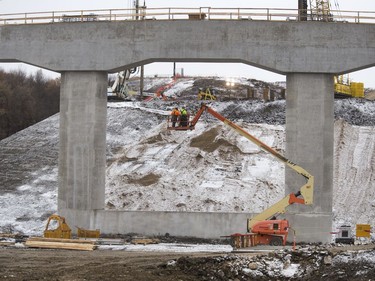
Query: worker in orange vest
x=175 y=115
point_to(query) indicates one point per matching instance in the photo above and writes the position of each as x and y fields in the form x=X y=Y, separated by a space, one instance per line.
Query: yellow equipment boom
x=306 y=191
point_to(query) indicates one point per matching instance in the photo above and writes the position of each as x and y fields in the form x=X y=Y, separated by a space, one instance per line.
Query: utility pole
x=302 y=10
x=136 y=6
x=141 y=80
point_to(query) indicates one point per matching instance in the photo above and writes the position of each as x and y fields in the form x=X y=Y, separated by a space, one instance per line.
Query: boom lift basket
x=180 y=125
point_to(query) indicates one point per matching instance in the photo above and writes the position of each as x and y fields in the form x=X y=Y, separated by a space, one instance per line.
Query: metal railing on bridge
x=202 y=13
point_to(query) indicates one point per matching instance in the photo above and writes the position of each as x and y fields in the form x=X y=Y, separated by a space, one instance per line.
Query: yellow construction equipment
x=263 y=228
x=86 y=233
x=320 y=10
x=344 y=88
x=206 y=95
x=363 y=230
x=57 y=228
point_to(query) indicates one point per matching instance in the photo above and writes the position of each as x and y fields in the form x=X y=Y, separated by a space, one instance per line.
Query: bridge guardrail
x=202 y=13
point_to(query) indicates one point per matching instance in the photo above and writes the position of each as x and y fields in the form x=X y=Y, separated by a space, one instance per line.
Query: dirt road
x=355 y=263
x=36 y=264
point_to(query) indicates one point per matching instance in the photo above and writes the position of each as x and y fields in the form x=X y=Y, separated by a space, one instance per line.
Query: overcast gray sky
x=229 y=70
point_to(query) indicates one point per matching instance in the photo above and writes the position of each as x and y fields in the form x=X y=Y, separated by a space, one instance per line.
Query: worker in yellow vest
x=184 y=117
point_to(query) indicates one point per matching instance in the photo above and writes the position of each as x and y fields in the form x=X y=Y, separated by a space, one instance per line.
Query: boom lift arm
x=306 y=191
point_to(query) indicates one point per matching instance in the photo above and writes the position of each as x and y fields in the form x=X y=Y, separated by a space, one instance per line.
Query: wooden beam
x=53 y=243
x=61 y=240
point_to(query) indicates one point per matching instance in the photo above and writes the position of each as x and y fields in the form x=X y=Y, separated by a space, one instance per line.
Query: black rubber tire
x=276 y=241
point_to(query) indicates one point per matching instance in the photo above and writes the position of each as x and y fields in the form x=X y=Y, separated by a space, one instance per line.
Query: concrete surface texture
x=193 y=224
x=83 y=123
x=107 y=46
x=308 y=52
x=309 y=143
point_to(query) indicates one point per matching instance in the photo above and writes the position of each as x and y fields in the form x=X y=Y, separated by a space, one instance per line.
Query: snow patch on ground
x=170 y=247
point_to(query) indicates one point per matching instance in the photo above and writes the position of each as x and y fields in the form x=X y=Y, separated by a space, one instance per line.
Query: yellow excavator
x=263 y=228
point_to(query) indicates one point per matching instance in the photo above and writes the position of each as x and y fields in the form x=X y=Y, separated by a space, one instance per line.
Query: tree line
x=26 y=99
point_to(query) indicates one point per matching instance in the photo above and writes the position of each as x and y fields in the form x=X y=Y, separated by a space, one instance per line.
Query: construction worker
x=174 y=116
x=184 y=117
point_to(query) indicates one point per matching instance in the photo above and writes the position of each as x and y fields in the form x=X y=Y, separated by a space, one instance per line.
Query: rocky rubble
x=306 y=263
x=358 y=112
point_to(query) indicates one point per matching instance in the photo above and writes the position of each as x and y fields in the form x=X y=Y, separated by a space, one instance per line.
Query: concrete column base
x=194 y=224
x=79 y=218
x=313 y=228
x=309 y=144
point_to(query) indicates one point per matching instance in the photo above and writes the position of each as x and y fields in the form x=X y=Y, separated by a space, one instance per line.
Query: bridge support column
x=82 y=157
x=309 y=143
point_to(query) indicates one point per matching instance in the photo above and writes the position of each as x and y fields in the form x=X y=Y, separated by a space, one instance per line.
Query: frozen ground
x=309 y=263
x=170 y=247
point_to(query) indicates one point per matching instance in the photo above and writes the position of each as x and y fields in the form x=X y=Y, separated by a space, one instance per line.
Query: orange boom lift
x=263 y=228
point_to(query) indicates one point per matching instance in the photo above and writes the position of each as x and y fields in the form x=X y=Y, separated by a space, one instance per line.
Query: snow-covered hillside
x=209 y=169
x=215 y=169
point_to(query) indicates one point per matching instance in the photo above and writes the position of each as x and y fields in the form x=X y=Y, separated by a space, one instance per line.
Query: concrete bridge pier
x=309 y=143
x=82 y=157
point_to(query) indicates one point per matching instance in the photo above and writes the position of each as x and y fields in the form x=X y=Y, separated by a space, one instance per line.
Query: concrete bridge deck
x=282 y=47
